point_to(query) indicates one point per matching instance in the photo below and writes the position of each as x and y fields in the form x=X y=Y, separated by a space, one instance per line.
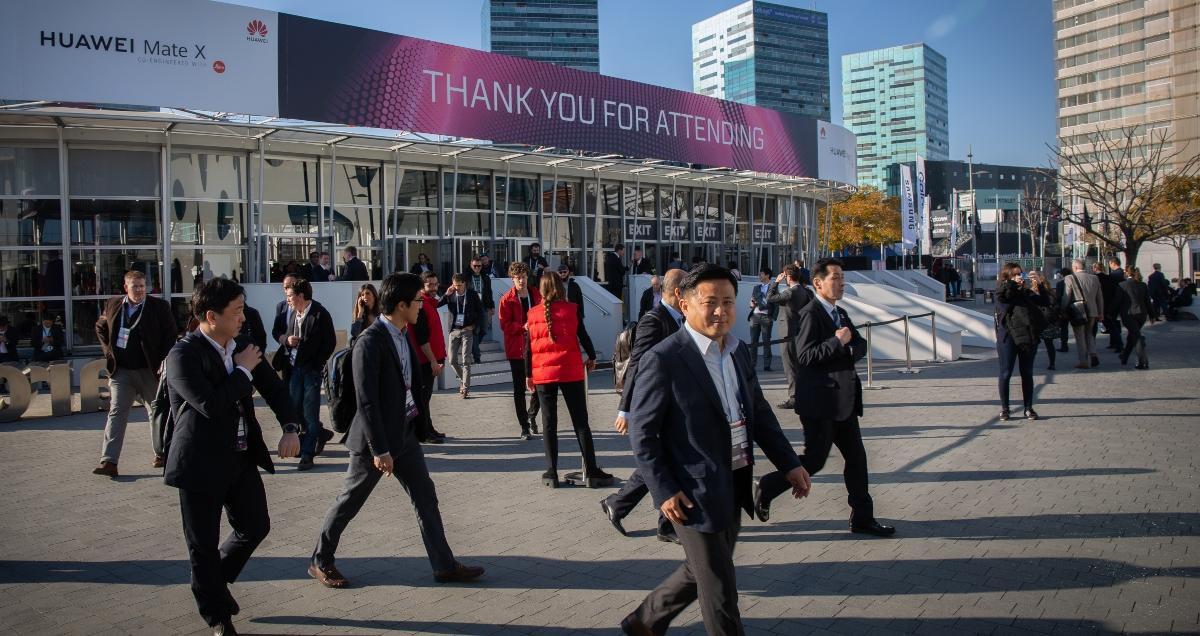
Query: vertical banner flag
x=922 y=221
x=953 y=222
x=926 y=228
x=908 y=218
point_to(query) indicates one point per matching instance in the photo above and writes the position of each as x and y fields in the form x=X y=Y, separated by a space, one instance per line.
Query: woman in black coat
x=1041 y=287
x=1019 y=324
x=1133 y=305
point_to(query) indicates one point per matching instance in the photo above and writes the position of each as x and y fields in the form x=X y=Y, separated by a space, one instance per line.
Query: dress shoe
x=1050 y=368
x=306 y=463
x=328 y=576
x=667 y=537
x=108 y=469
x=550 y=479
x=1124 y=360
x=762 y=509
x=525 y=435
x=533 y=428
x=326 y=435
x=159 y=461
x=433 y=432
x=1081 y=365
x=224 y=628
x=597 y=478
x=1141 y=367
x=431 y=440
x=873 y=528
x=459 y=574
x=767 y=368
x=612 y=517
x=1031 y=414
x=1004 y=415
x=1095 y=361
x=790 y=404
x=634 y=627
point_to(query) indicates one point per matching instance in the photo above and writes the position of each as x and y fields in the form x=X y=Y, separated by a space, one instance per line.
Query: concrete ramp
x=977 y=328
x=887 y=341
x=926 y=286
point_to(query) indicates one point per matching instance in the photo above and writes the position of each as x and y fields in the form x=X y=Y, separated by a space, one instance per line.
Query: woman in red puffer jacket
x=552 y=360
x=514 y=307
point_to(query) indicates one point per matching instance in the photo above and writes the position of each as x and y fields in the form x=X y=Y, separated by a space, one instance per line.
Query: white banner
x=205 y=55
x=926 y=228
x=836 y=154
x=908 y=218
x=953 y=222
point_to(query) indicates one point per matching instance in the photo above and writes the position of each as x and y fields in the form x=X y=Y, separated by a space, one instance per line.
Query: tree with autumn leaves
x=866 y=218
x=1179 y=205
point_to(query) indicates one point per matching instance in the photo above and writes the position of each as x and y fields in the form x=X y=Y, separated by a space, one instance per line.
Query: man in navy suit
x=828 y=398
x=697 y=413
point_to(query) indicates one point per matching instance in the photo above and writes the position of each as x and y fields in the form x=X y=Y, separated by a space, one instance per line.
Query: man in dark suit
x=653 y=327
x=762 y=318
x=574 y=291
x=1160 y=292
x=697 y=413
x=828 y=398
x=481 y=283
x=789 y=292
x=216 y=445
x=639 y=264
x=355 y=268
x=651 y=297
x=309 y=342
x=135 y=332
x=614 y=270
x=1110 y=320
x=47 y=340
x=253 y=328
x=312 y=271
x=382 y=439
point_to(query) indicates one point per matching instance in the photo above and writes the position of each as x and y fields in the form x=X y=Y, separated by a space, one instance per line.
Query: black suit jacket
x=253 y=328
x=647 y=302
x=279 y=326
x=641 y=267
x=1132 y=301
x=472 y=307
x=680 y=435
x=1108 y=288
x=652 y=328
x=793 y=299
x=318 y=339
x=614 y=272
x=827 y=386
x=355 y=270
x=575 y=295
x=379 y=425
x=485 y=283
x=205 y=399
x=57 y=338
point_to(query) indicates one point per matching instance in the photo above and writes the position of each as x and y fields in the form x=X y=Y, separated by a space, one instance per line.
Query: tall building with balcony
x=1129 y=63
x=563 y=32
x=894 y=100
x=764 y=54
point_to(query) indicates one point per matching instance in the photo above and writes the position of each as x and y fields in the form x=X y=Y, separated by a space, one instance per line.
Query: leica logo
x=256 y=31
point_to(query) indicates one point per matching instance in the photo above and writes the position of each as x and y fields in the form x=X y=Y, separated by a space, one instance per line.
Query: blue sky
x=1000 y=53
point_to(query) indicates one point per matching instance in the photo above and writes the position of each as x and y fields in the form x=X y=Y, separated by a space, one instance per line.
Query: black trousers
x=1064 y=328
x=213 y=567
x=819 y=436
x=1135 y=341
x=576 y=398
x=1010 y=353
x=707 y=575
x=627 y=498
x=1051 y=354
x=1113 y=327
x=525 y=414
x=361 y=478
x=423 y=425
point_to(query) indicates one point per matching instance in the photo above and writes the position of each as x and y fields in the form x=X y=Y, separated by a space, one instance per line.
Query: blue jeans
x=305 y=389
x=760 y=327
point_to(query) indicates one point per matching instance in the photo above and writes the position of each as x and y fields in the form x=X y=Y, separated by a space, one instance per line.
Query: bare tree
x=1120 y=175
x=1038 y=209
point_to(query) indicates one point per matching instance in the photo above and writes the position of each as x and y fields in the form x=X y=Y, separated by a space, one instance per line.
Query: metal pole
x=870 y=365
x=933 y=329
x=907 y=350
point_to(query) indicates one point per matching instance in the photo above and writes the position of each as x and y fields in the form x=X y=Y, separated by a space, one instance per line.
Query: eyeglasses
x=476 y=266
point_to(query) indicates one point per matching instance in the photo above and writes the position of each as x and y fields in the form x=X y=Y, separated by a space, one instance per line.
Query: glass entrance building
x=88 y=194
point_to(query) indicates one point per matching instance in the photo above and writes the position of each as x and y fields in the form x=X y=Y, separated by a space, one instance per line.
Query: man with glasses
x=481 y=283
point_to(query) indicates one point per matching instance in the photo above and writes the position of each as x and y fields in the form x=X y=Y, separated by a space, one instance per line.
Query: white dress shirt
x=719 y=363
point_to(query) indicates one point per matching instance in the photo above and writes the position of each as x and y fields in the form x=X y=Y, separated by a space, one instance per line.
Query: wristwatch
x=291 y=428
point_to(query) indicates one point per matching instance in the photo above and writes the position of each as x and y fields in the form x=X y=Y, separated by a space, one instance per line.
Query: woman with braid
x=553 y=363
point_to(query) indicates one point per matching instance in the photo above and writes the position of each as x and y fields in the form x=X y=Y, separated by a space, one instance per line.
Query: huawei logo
x=256 y=27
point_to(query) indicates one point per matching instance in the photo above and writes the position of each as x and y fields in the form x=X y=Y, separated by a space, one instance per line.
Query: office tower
x=894 y=100
x=764 y=54
x=563 y=32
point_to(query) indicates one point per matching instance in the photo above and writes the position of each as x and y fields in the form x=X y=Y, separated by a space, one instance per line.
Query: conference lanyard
x=739 y=440
x=122 y=331
x=460 y=303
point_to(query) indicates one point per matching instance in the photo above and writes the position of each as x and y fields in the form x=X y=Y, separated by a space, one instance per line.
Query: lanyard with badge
x=460 y=302
x=123 y=331
x=410 y=404
x=47 y=340
x=739 y=440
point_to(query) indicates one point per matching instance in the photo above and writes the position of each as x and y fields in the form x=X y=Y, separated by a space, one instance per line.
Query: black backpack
x=338 y=382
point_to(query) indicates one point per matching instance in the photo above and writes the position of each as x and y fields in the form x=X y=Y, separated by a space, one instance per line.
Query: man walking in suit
x=653 y=327
x=792 y=296
x=762 y=319
x=1083 y=287
x=481 y=283
x=382 y=440
x=355 y=268
x=310 y=341
x=697 y=413
x=828 y=398
x=216 y=446
x=614 y=270
x=1160 y=292
x=574 y=291
x=135 y=332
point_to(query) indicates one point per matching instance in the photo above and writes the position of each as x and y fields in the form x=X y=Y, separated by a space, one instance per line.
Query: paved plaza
x=1087 y=521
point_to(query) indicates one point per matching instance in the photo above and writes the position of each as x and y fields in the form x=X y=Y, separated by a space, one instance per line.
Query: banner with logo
x=954 y=222
x=837 y=154
x=908 y=217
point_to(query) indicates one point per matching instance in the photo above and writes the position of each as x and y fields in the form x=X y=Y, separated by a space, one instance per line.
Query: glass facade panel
x=418 y=189
x=562 y=233
x=357 y=184
x=474 y=191
x=472 y=223
x=30 y=222
x=198 y=175
x=101 y=272
x=86 y=313
x=190 y=267
x=101 y=222
x=561 y=197
x=31 y=273
x=28 y=171
x=357 y=226
x=113 y=173
x=522 y=194
x=287 y=180
x=208 y=223
x=519 y=225
x=413 y=222
x=289 y=219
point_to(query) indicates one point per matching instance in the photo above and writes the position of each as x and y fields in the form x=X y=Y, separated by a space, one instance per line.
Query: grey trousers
x=123 y=387
x=460 y=355
x=789 y=369
x=1085 y=340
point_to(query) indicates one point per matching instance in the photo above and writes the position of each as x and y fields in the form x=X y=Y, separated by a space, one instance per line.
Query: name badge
x=410 y=407
x=458 y=320
x=741 y=444
x=122 y=337
x=47 y=348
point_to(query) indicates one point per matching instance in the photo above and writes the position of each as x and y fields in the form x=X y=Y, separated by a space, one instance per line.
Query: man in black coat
x=652 y=328
x=651 y=297
x=1110 y=320
x=1160 y=292
x=789 y=292
x=216 y=446
x=382 y=440
x=8 y=341
x=574 y=291
x=309 y=341
x=47 y=340
x=697 y=413
x=614 y=270
x=537 y=264
x=481 y=283
x=355 y=268
x=253 y=328
x=640 y=264
x=828 y=398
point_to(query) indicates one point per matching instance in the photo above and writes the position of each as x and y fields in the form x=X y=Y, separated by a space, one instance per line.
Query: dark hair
x=704 y=273
x=302 y=287
x=398 y=288
x=551 y=289
x=767 y=271
x=619 y=247
x=427 y=275
x=517 y=269
x=533 y=245
x=1006 y=272
x=371 y=311
x=351 y=249
x=674 y=254
x=459 y=278
x=214 y=295
x=821 y=269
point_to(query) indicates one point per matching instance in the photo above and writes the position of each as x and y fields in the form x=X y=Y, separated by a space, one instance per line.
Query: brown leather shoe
x=634 y=627
x=159 y=461
x=328 y=576
x=108 y=469
x=460 y=574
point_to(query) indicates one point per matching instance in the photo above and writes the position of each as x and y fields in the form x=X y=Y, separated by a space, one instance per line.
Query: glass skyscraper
x=764 y=54
x=563 y=32
x=894 y=100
